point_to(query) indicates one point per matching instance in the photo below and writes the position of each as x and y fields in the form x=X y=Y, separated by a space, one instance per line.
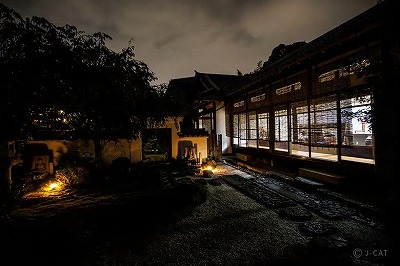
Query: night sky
x=176 y=37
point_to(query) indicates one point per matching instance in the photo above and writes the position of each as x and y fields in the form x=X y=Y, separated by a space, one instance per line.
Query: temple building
x=314 y=107
x=201 y=98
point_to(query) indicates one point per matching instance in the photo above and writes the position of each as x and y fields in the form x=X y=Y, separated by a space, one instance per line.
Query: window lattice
x=323 y=115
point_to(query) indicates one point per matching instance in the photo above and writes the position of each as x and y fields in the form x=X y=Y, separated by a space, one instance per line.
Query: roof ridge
x=212 y=83
x=331 y=32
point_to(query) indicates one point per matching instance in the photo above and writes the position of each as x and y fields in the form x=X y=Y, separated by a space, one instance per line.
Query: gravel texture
x=226 y=227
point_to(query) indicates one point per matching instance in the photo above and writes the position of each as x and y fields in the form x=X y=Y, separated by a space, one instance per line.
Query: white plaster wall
x=174 y=135
x=220 y=127
x=58 y=147
x=201 y=146
x=122 y=148
x=173 y=124
x=131 y=149
x=201 y=142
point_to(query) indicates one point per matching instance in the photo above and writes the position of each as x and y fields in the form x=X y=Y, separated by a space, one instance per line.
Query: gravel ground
x=228 y=228
x=232 y=229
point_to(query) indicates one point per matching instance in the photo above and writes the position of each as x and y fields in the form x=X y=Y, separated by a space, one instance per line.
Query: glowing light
x=53 y=186
x=216 y=170
x=209 y=167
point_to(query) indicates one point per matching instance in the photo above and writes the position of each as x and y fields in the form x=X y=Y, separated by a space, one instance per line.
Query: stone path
x=267 y=197
x=326 y=207
x=274 y=192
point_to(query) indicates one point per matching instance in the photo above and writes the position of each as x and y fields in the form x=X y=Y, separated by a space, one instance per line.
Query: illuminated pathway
x=274 y=192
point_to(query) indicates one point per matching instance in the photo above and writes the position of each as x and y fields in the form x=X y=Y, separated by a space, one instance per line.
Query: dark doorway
x=157 y=144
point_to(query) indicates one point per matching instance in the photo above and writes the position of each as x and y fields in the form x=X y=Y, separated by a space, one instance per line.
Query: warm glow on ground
x=54 y=187
x=216 y=170
x=213 y=169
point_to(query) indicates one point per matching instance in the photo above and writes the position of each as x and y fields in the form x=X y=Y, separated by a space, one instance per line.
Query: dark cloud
x=243 y=37
x=176 y=37
x=225 y=11
x=160 y=43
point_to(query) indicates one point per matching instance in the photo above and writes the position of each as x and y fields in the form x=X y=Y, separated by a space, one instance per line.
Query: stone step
x=320 y=176
x=307 y=183
x=244 y=157
x=208 y=174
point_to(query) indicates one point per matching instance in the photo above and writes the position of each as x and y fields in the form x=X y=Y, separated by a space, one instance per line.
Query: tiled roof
x=185 y=83
x=219 y=84
x=188 y=87
x=208 y=86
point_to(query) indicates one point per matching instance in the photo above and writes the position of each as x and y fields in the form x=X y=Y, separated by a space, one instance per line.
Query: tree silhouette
x=60 y=82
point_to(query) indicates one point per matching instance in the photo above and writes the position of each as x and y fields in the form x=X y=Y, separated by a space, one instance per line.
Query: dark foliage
x=60 y=82
x=282 y=50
